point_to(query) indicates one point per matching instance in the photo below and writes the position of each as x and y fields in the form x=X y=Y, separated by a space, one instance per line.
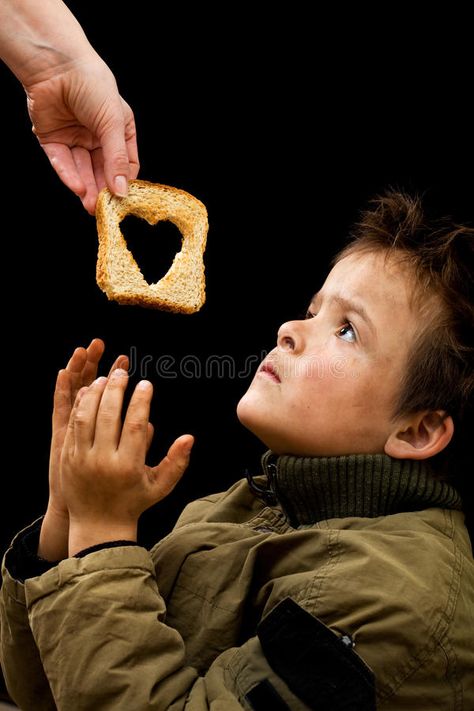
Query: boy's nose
x=289 y=339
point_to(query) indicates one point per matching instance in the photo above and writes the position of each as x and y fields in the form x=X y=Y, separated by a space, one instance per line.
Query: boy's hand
x=105 y=481
x=81 y=370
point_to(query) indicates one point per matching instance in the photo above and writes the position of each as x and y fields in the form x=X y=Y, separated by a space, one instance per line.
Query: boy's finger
x=109 y=415
x=95 y=351
x=69 y=440
x=134 y=436
x=170 y=470
x=74 y=367
x=85 y=412
x=62 y=400
x=120 y=362
x=149 y=435
x=77 y=360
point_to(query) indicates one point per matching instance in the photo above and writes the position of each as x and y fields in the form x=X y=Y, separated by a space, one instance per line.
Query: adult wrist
x=37 y=39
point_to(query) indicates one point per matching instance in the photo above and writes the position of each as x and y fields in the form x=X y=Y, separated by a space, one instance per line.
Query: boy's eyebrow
x=348 y=305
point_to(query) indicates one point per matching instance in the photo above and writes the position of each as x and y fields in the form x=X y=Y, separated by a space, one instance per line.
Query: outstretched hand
x=104 y=478
x=85 y=128
x=80 y=371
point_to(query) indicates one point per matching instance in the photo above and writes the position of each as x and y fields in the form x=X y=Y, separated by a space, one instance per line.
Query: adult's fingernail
x=121 y=186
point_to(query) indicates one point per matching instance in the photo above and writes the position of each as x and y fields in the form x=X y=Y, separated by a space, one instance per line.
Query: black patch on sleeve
x=22 y=561
x=315 y=663
x=264 y=697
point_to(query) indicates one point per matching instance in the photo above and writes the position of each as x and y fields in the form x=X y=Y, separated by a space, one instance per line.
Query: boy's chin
x=249 y=412
x=244 y=413
x=248 y=417
x=252 y=418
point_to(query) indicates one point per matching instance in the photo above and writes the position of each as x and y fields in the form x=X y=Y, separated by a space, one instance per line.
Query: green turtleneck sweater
x=312 y=489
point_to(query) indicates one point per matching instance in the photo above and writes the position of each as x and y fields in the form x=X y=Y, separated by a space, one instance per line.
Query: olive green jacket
x=179 y=627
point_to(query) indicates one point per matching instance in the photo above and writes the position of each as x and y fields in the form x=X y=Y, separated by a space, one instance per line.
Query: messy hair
x=440 y=254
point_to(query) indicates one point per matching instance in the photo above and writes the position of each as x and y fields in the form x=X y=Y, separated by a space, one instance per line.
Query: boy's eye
x=345 y=333
x=347 y=330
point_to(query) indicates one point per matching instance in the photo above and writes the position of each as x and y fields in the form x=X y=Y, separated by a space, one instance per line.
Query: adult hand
x=105 y=480
x=85 y=128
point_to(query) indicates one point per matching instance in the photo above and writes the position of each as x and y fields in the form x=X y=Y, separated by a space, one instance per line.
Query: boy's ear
x=421 y=435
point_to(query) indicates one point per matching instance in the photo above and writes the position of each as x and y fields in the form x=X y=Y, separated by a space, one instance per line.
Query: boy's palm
x=106 y=482
x=80 y=371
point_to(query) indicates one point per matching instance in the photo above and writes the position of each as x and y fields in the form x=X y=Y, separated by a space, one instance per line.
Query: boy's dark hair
x=440 y=369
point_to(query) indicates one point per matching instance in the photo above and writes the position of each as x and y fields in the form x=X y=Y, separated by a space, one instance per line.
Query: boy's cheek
x=321 y=369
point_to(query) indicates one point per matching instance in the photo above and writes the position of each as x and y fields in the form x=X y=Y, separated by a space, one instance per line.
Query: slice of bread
x=182 y=289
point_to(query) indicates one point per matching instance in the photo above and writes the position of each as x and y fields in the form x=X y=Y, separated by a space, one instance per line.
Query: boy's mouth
x=268 y=369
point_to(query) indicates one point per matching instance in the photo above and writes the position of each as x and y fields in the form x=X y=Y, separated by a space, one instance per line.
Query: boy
x=341 y=579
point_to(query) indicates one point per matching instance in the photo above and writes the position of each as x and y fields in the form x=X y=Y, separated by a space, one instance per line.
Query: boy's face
x=337 y=375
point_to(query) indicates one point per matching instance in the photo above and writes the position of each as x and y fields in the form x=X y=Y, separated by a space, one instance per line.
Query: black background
x=284 y=128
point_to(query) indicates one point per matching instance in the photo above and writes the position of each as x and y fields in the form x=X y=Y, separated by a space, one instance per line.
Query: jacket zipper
x=268 y=493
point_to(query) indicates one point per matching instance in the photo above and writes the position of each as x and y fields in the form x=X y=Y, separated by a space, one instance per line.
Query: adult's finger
x=97 y=157
x=61 y=158
x=134 y=439
x=131 y=140
x=109 y=415
x=111 y=135
x=169 y=471
x=83 y=161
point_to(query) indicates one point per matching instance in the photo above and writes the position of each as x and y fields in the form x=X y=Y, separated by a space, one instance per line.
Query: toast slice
x=182 y=289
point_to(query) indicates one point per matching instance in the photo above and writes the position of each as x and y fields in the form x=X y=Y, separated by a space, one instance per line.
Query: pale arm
x=82 y=123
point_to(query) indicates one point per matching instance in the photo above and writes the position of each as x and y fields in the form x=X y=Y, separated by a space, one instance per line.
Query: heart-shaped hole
x=153 y=246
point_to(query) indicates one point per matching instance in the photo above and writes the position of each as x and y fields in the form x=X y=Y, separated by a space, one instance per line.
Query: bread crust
x=182 y=288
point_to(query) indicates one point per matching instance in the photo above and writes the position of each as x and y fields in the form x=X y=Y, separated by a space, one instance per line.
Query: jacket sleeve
x=21 y=663
x=99 y=624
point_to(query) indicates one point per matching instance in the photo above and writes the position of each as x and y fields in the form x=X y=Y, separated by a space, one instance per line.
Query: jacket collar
x=312 y=489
